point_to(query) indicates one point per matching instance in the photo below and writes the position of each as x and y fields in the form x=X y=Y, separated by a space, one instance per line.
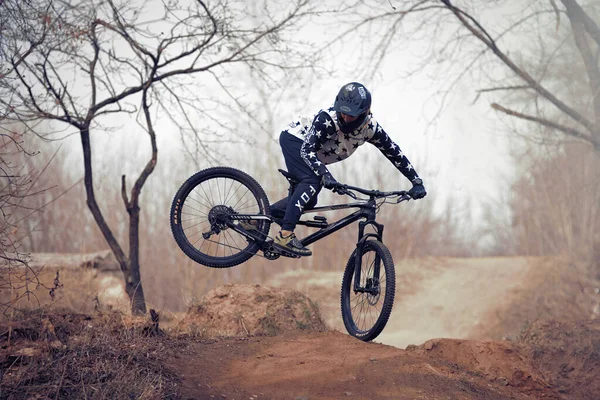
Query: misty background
x=498 y=184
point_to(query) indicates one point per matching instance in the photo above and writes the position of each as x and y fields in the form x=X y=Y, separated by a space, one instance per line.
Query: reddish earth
x=332 y=365
x=450 y=298
x=279 y=347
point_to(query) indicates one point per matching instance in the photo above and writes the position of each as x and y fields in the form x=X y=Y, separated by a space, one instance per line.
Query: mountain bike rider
x=333 y=136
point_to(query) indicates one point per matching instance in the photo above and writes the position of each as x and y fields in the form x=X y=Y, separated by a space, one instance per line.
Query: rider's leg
x=304 y=194
x=278 y=208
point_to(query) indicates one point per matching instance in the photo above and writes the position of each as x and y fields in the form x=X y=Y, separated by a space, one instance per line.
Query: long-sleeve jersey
x=324 y=143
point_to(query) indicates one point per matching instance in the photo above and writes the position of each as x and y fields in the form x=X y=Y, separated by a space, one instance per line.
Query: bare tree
x=86 y=63
x=16 y=178
x=492 y=45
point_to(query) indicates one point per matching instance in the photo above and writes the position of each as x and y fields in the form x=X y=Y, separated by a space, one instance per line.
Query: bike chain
x=233 y=247
x=266 y=237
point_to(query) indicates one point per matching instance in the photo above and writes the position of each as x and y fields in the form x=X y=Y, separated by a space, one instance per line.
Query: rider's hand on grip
x=418 y=190
x=340 y=189
x=329 y=182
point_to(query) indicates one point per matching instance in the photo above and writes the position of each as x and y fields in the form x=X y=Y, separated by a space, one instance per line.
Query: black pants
x=304 y=195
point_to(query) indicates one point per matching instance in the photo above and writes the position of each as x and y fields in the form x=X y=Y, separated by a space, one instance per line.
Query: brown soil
x=332 y=365
x=278 y=348
x=250 y=310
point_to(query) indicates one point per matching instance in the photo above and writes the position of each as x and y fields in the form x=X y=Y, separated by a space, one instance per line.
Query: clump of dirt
x=567 y=353
x=333 y=365
x=103 y=356
x=251 y=310
x=500 y=362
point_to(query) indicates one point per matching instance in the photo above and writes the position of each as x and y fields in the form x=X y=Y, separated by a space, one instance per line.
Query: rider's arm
x=321 y=127
x=392 y=151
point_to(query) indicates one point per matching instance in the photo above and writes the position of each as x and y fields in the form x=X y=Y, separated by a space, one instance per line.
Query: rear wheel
x=365 y=311
x=200 y=214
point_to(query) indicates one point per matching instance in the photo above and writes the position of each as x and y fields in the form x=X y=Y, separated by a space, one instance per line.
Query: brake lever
x=404 y=197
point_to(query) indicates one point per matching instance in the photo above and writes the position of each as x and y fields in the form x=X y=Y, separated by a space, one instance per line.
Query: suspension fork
x=362 y=238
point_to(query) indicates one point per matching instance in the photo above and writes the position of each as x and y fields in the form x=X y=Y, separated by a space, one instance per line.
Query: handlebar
x=376 y=194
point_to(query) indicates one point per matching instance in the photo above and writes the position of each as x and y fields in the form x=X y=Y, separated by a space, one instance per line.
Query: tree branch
x=542 y=121
x=575 y=10
x=591 y=65
x=483 y=36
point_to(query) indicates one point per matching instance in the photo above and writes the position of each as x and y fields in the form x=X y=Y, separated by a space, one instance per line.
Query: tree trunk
x=581 y=24
x=135 y=290
x=131 y=270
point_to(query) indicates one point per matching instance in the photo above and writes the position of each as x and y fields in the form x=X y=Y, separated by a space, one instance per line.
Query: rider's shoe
x=292 y=244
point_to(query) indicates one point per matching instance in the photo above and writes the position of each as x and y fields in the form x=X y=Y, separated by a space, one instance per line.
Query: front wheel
x=367 y=305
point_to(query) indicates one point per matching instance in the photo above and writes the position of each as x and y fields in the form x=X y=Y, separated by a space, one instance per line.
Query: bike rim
x=366 y=308
x=207 y=205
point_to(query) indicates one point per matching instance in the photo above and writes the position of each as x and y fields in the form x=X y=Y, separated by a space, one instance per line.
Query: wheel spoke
x=365 y=308
x=206 y=209
x=207 y=197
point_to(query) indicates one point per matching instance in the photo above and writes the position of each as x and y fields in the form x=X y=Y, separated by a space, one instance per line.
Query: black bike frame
x=366 y=210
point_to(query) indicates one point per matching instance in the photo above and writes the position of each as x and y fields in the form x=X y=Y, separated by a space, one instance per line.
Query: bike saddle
x=291 y=178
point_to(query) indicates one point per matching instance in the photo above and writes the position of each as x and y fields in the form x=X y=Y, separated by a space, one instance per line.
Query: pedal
x=288 y=254
x=284 y=253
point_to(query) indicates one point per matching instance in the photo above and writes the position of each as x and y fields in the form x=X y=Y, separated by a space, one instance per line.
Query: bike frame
x=366 y=210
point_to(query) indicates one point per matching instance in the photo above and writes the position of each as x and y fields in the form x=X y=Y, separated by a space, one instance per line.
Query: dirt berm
x=303 y=361
x=278 y=348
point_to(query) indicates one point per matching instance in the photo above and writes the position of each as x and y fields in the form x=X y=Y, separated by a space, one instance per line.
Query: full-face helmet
x=354 y=100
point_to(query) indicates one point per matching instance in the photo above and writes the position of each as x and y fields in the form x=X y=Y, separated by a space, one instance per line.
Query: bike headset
x=355 y=100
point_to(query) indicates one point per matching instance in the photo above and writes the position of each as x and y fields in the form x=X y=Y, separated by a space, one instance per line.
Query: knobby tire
x=196 y=186
x=350 y=315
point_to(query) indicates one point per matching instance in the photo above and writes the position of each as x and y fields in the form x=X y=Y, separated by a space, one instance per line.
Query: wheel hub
x=218 y=216
x=372 y=288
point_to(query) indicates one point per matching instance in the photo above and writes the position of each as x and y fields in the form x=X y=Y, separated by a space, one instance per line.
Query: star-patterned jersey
x=325 y=143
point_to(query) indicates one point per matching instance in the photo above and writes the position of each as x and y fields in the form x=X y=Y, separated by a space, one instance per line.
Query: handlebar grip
x=343 y=190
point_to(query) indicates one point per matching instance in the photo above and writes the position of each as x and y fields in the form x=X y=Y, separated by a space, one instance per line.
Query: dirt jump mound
x=568 y=354
x=251 y=310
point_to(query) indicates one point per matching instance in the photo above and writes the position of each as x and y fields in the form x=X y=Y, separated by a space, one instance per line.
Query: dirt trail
x=332 y=365
x=440 y=302
x=435 y=297
x=452 y=299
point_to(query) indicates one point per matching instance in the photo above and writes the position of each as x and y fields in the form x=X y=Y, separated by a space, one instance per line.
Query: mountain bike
x=206 y=221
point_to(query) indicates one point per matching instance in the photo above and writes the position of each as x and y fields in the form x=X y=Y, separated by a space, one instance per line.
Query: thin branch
x=494 y=89
x=500 y=88
x=480 y=33
x=542 y=121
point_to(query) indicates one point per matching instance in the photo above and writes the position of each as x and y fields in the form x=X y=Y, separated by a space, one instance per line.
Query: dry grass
x=567 y=353
x=557 y=288
x=77 y=356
